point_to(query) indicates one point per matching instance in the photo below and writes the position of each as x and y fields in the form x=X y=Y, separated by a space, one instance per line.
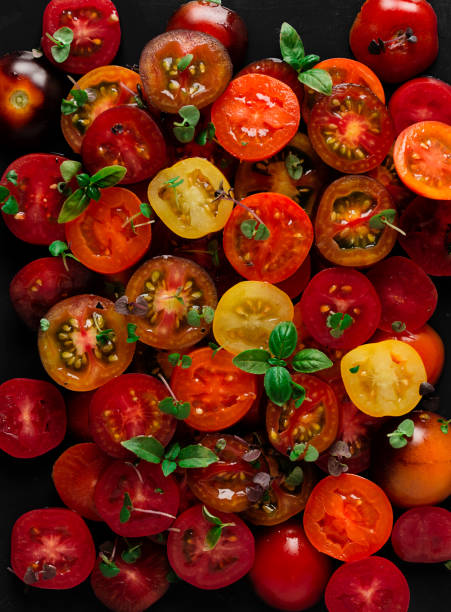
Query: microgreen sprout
x=184 y=62
x=206 y=135
x=444 y=427
x=10 y=206
x=338 y=323
x=398 y=438
x=250 y=228
x=171 y=405
x=59 y=248
x=125 y=513
x=195 y=315
x=398 y=326
x=184 y=361
x=62 y=39
x=184 y=130
x=107 y=565
x=79 y=98
x=214 y=533
x=131 y=333
x=294 y=166
x=385 y=218
x=307 y=451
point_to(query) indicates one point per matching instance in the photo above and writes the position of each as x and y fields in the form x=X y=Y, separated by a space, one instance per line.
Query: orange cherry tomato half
x=220 y=394
x=103 y=237
x=277 y=257
x=342 y=225
x=73 y=350
x=255 y=117
x=348 y=517
x=422 y=157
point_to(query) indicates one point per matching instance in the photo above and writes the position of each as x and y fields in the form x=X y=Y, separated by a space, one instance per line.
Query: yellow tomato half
x=383 y=378
x=183 y=196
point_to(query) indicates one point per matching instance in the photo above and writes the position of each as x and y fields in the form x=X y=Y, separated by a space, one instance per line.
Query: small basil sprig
x=293 y=53
x=338 y=323
x=79 y=99
x=279 y=385
x=89 y=189
x=62 y=39
x=385 y=218
x=214 y=533
x=150 y=449
x=398 y=438
x=184 y=130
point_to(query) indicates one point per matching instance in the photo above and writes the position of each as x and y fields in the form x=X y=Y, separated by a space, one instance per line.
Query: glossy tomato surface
x=278 y=69
x=423 y=535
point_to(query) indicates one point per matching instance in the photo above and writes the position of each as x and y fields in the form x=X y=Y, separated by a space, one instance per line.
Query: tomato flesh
x=277 y=69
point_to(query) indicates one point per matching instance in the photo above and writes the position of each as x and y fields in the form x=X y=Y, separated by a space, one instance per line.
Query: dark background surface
x=25 y=485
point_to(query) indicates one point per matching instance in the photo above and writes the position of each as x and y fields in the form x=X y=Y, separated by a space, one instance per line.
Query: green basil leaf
x=311 y=360
x=254 y=361
x=57 y=247
x=168 y=466
x=93 y=192
x=278 y=385
x=167 y=405
x=173 y=452
x=190 y=114
x=183 y=410
x=68 y=107
x=64 y=35
x=311 y=454
x=213 y=536
x=4 y=192
x=60 y=54
x=378 y=221
x=196 y=456
x=283 y=339
x=248 y=228
x=11 y=206
x=80 y=96
x=298 y=394
x=184 y=134
x=184 y=62
x=108 y=176
x=262 y=232
x=109 y=570
x=73 y=206
x=309 y=61
x=11 y=177
x=297 y=451
x=132 y=554
x=146 y=210
x=295 y=477
x=83 y=179
x=291 y=46
x=318 y=80
x=193 y=318
x=125 y=513
x=407 y=427
x=145 y=447
x=398 y=441
x=69 y=169
x=211 y=518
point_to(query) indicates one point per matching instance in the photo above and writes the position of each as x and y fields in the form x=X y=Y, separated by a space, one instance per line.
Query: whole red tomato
x=288 y=572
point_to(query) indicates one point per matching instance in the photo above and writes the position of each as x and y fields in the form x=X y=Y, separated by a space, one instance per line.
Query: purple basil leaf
x=340 y=449
x=254 y=493
x=140 y=307
x=48 y=571
x=121 y=305
x=252 y=455
x=30 y=576
x=335 y=467
x=263 y=479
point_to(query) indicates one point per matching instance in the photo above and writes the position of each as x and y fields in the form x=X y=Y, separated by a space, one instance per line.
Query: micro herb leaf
x=294 y=166
x=184 y=62
x=147 y=448
x=168 y=466
x=206 y=135
x=11 y=206
x=214 y=533
x=310 y=453
x=69 y=169
x=127 y=507
x=79 y=99
x=338 y=323
x=297 y=451
x=283 y=339
x=186 y=362
x=73 y=206
x=180 y=410
x=385 y=217
x=104 y=336
x=311 y=360
x=208 y=313
x=404 y=430
x=196 y=456
x=184 y=130
x=213 y=250
x=108 y=176
x=132 y=554
x=11 y=177
x=44 y=324
x=62 y=39
x=295 y=477
x=354 y=369
x=254 y=361
x=298 y=393
x=248 y=228
x=4 y=193
x=146 y=210
x=193 y=317
x=277 y=384
x=173 y=452
x=174 y=359
x=291 y=46
x=208 y=516
x=444 y=427
x=131 y=335
x=262 y=232
x=398 y=326
x=108 y=567
x=220 y=445
x=317 y=79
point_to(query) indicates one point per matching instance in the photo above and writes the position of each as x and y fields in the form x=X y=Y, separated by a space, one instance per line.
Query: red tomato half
x=348 y=517
x=53 y=537
x=125 y=136
x=32 y=416
x=195 y=562
x=369 y=585
x=39 y=200
x=42 y=283
x=255 y=117
x=428 y=237
x=102 y=239
x=277 y=257
x=277 y=69
x=97 y=33
x=125 y=407
x=423 y=535
x=155 y=498
x=75 y=475
x=288 y=572
x=344 y=291
x=406 y=292
x=138 y=585
x=422 y=99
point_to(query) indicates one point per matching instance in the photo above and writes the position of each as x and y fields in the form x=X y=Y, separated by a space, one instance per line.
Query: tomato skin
x=75 y=475
x=96 y=28
x=419 y=474
x=400 y=60
x=428 y=345
x=214 y=19
x=138 y=585
x=421 y=99
x=373 y=584
x=52 y=533
x=39 y=200
x=278 y=69
x=30 y=98
x=283 y=252
x=386 y=174
x=229 y=561
x=353 y=507
x=125 y=407
x=421 y=155
x=423 y=535
x=299 y=574
x=42 y=283
x=406 y=292
x=239 y=122
x=98 y=237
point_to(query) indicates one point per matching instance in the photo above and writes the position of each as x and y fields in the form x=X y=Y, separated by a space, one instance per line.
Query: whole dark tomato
x=216 y=20
x=423 y=535
x=139 y=583
x=288 y=572
x=42 y=283
x=418 y=474
x=30 y=99
x=397 y=39
x=386 y=174
x=96 y=33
